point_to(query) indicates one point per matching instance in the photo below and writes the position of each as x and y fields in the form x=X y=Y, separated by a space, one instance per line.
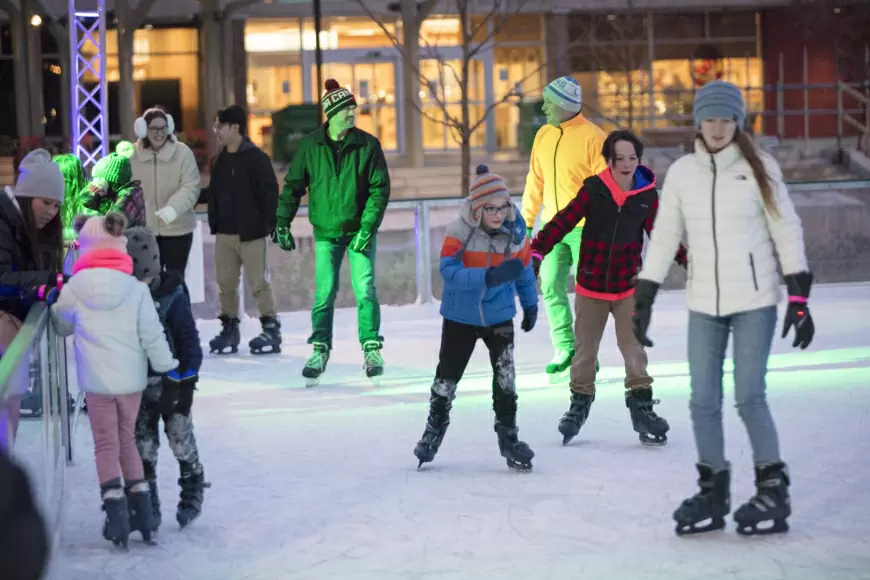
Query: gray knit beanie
x=719 y=100
x=39 y=176
x=142 y=247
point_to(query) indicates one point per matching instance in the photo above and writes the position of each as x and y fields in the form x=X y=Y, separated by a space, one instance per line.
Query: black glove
x=177 y=394
x=530 y=317
x=798 y=312
x=536 y=265
x=507 y=271
x=644 y=295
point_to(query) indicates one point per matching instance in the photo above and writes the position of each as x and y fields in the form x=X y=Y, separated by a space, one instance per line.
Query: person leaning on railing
x=31 y=248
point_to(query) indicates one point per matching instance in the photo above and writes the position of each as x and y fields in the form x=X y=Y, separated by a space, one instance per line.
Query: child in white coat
x=117 y=332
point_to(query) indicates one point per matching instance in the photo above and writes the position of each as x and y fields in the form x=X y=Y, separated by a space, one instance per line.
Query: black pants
x=178 y=429
x=175 y=251
x=457 y=345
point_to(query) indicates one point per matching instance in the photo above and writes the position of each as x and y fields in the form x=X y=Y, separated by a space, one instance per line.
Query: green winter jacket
x=343 y=198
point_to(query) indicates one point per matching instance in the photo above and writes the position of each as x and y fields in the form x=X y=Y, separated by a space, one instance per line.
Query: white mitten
x=167 y=214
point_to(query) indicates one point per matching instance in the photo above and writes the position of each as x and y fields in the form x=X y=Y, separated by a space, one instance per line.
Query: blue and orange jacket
x=468 y=251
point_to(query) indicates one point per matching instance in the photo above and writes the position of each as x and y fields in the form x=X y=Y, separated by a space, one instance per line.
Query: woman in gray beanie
x=730 y=199
x=31 y=250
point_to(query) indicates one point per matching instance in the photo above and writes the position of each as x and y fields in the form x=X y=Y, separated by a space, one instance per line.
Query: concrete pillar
x=19 y=45
x=34 y=68
x=557 y=43
x=212 y=85
x=412 y=118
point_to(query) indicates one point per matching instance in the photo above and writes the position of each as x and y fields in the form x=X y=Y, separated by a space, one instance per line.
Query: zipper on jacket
x=715 y=244
x=752 y=266
x=555 y=170
x=483 y=294
x=156 y=191
x=610 y=252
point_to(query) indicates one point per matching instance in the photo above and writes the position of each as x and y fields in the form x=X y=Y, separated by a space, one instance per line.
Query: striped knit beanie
x=336 y=98
x=565 y=92
x=485 y=187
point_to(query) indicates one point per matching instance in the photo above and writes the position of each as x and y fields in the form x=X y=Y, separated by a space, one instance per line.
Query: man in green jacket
x=344 y=172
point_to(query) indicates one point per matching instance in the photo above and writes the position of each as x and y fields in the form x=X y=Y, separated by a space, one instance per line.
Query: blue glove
x=361 y=242
x=507 y=271
x=530 y=317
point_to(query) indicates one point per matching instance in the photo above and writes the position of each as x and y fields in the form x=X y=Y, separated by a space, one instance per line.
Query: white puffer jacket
x=171 y=177
x=116 y=330
x=716 y=200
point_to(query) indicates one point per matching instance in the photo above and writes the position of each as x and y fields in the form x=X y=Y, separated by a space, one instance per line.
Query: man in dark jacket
x=242 y=196
x=344 y=172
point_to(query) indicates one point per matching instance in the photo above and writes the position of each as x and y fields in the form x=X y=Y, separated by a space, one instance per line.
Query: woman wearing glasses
x=170 y=181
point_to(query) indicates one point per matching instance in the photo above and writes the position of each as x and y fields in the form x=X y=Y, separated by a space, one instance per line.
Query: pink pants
x=113 y=421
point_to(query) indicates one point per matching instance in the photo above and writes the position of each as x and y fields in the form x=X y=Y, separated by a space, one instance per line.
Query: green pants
x=557 y=273
x=328 y=255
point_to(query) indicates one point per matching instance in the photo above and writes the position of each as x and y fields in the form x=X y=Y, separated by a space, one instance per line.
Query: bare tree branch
x=496 y=28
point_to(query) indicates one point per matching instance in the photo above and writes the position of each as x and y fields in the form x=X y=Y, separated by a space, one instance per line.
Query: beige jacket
x=169 y=178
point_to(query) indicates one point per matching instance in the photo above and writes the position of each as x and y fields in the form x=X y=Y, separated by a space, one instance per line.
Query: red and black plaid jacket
x=610 y=252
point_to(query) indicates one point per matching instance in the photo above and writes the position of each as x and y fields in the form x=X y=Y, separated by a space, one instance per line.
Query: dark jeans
x=328 y=255
x=174 y=251
x=178 y=429
x=457 y=345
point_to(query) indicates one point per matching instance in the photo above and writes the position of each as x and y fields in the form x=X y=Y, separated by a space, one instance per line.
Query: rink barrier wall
x=36 y=361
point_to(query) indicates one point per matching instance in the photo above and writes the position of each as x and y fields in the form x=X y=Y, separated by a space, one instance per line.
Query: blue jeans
x=328 y=255
x=708 y=338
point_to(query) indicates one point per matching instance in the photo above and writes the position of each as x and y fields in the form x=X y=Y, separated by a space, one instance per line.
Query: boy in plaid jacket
x=619 y=204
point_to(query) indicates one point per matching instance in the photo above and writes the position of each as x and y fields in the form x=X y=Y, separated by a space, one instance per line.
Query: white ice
x=322 y=482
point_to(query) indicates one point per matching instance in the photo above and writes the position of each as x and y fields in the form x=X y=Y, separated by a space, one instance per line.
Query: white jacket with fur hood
x=114 y=323
x=169 y=178
x=733 y=239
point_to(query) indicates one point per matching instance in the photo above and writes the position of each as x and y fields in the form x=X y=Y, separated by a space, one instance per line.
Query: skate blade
x=519 y=467
x=691 y=529
x=653 y=440
x=262 y=351
x=223 y=351
x=778 y=527
x=311 y=382
x=376 y=381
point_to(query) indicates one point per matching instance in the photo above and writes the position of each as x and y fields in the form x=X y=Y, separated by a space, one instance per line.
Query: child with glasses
x=485 y=262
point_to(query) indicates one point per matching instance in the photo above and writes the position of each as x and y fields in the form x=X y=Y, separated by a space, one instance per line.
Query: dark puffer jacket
x=175 y=314
x=18 y=274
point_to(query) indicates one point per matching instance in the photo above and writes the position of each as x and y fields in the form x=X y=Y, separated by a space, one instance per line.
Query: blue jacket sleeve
x=527 y=288
x=185 y=336
x=457 y=276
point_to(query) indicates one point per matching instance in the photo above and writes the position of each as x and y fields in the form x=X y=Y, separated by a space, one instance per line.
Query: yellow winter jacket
x=562 y=158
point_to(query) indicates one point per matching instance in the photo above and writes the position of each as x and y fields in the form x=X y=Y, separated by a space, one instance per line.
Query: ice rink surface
x=322 y=482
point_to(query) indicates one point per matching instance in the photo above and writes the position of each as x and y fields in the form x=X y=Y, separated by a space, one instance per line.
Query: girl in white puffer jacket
x=730 y=199
x=116 y=333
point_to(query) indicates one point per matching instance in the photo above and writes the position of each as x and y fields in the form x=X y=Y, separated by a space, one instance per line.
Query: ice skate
x=141 y=511
x=430 y=442
x=269 y=340
x=156 y=515
x=116 y=527
x=709 y=506
x=193 y=485
x=651 y=429
x=517 y=453
x=315 y=366
x=572 y=421
x=374 y=361
x=771 y=503
x=228 y=338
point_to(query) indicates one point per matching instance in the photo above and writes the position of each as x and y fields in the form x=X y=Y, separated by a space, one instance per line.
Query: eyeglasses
x=491 y=210
x=161 y=129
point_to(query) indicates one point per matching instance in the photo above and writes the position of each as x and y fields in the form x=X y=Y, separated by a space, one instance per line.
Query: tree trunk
x=411 y=117
x=126 y=84
x=462 y=8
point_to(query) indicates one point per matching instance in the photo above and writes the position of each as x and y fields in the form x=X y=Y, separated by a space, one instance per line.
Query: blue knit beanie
x=719 y=100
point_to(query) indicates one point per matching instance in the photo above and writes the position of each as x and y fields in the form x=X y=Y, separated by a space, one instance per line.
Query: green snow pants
x=557 y=276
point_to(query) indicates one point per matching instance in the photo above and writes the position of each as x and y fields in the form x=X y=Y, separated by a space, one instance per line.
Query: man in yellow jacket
x=566 y=151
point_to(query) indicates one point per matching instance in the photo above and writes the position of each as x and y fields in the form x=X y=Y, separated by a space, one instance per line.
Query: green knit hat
x=115 y=169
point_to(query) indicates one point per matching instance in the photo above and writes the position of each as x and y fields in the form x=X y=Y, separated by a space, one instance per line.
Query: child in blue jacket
x=169 y=397
x=485 y=262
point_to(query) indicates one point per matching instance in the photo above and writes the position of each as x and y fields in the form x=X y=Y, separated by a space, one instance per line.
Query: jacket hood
x=643 y=180
x=167 y=283
x=102 y=288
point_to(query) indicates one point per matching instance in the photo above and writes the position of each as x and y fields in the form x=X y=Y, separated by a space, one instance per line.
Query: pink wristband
x=41 y=292
x=797 y=299
x=537 y=255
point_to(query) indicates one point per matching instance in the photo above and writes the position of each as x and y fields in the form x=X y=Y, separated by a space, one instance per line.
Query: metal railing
x=36 y=362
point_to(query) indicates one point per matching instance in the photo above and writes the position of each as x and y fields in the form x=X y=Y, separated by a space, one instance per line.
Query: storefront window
x=166 y=70
x=344 y=32
x=442 y=87
x=517 y=70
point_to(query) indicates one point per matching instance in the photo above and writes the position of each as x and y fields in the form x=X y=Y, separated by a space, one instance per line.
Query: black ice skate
x=193 y=485
x=427 y=447
x=517 y=453
x=156 y=515
x=709 y=505
x=139 y=504
x=116 y=527
x=269 y=340
x=771 y=502
x=316 y=364
x=228 y=338
x=651 y=429
x=374 y=361
x=573 y=420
